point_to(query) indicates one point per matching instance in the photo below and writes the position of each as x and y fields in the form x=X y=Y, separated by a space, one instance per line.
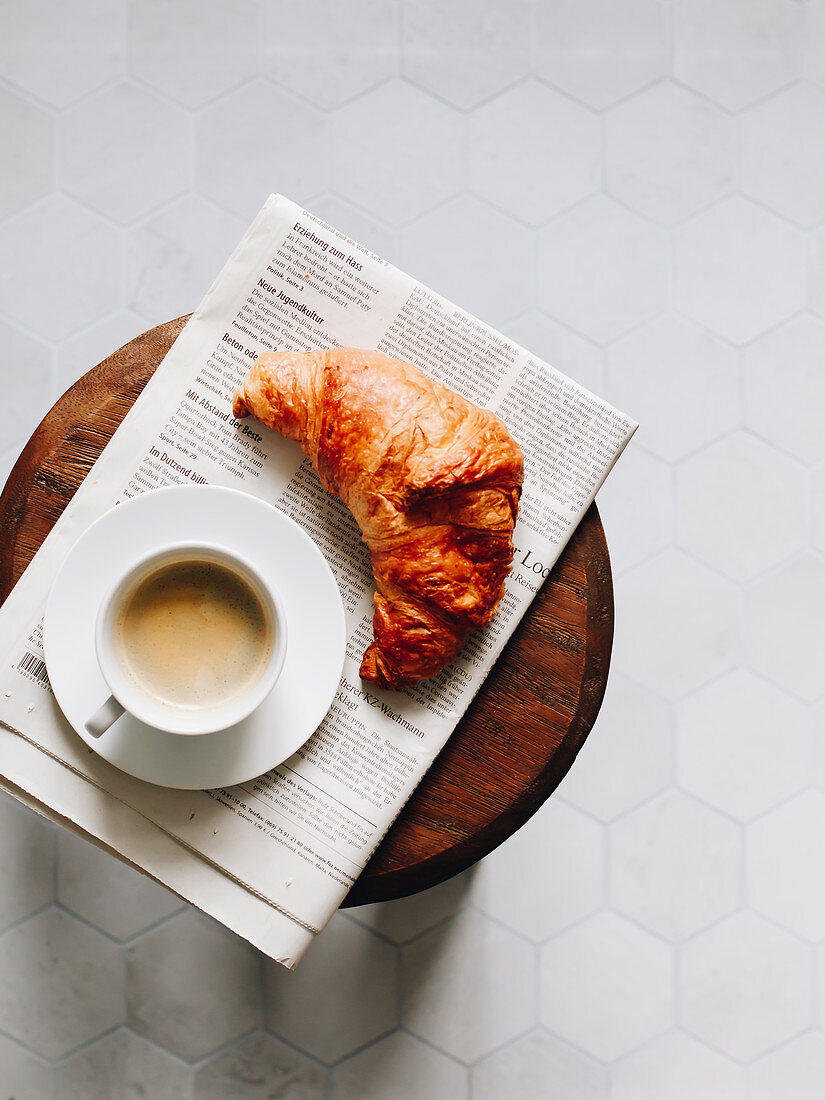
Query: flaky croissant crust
x=432 y=480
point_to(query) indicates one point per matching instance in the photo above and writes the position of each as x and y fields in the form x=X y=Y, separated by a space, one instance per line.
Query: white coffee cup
x=214 y=703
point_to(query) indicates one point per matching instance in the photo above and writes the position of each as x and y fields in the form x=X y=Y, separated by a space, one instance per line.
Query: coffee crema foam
x=193 y=634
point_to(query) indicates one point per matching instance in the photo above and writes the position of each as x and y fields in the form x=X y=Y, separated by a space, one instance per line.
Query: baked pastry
x=432 y=480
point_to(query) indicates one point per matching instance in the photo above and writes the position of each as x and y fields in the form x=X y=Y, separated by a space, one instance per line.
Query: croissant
x=432 y=480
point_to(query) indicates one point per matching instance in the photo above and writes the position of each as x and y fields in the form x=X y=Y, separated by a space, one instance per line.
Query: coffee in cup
x=193 y=634
x=190 y=640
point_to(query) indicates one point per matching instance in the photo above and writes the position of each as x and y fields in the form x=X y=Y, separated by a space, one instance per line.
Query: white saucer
x=282 y=553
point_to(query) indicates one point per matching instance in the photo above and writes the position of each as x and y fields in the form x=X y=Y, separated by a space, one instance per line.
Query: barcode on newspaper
x=35 y=667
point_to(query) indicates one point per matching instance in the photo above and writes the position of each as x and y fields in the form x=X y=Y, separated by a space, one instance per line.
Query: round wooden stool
x=522 y=731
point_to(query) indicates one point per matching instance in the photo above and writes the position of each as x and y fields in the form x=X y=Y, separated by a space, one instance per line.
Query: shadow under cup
x=190 y=640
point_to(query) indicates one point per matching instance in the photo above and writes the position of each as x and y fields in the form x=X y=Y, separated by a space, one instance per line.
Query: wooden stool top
x=522 y=731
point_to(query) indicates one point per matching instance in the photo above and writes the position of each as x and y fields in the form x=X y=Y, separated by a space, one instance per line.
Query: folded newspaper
x=294 y=282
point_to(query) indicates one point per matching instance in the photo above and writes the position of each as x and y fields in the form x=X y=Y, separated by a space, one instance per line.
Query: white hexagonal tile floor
x=813 y=45
x=274 y=141
x=191 y=986
x=736 y=53
x=681 y=627
x=193 y=51
x=72 y=255
x=606 y=986
x=675 y=421
x=784 y=876
x=602 y=270
x=531 y=1065
x=738 y=270
x=400 y=1067
x=34 y=53
x=784 y=386
x=468 y=987
x=741 y=507
x=743 y=745
x=172 y=255
x=533 y=152
x=300 y=47
x=123 y=1064
x=24 y=127
x=61 y=983
x=632 y=725
x=668 y=153
x=818 y=495
x=414 y=167
x=783 y=640
x=124 y=152
x=107 y=893
x=795 y=1070
x=675 y=866
x=679 y=1068
x=546 y=877
x=465 y=51
x=258 y=1067
x=816 y=246
x=23 y=406
x=360 y=1004
x=745 y=986
x=23 y=1074
x=780 y=163
x=26 y=862
x=599 y=53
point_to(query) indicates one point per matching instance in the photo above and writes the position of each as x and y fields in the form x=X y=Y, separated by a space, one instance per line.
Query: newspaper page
x=273 y=858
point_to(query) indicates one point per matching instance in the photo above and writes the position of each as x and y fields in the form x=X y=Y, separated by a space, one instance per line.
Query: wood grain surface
x=523 y=729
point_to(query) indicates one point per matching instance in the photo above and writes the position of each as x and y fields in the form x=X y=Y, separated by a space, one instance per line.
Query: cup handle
x=104 y=717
